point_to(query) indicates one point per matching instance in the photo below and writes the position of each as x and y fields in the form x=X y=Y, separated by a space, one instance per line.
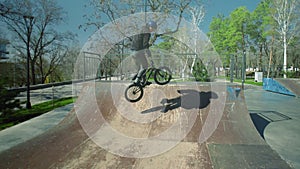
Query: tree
x=286 y=19
x=260 y=21
x=167 y=43
x=197 y=15
x=66 y=66
x=220 y=38
x=236 y=32
x=264 y=31
x=110 y=10
x=200 y=72
x=239 y=20
x=271 y=25
x=33 y=22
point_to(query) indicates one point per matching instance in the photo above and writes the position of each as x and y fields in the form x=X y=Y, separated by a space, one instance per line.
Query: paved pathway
x=22 y=132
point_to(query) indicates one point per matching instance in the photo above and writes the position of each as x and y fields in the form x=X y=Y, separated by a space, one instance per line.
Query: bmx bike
x=162 y=75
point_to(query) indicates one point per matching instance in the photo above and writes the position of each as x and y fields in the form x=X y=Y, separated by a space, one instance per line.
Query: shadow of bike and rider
x=189 y=99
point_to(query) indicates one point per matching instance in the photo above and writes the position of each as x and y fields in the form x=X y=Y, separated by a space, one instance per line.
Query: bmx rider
x=140 y=46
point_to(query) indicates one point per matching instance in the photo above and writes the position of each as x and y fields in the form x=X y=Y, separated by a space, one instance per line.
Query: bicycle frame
x=134 y=92
x=149 y=72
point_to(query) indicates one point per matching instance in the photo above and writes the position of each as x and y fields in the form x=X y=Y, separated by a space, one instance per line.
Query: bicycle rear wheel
x=163 y=75
x=134 y=93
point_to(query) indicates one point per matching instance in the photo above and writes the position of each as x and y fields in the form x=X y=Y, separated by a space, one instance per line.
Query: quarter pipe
x=174 y=126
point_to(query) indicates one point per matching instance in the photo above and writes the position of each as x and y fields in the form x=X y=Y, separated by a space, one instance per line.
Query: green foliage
x=258 y=33
x=199 y=72
x=167 y=43
x=8 y=103
x=36 y=110
x=239 y=19
x=228 y=33
x=219 y=37
x=292 y=74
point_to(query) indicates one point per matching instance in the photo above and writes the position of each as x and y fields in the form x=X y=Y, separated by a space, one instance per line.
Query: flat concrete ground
x=279 y=118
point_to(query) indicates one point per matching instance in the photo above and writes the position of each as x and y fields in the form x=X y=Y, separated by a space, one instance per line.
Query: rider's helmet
x=152 y=24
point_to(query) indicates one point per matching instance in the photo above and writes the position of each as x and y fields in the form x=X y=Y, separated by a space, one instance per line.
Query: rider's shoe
x=148 y=83
x=134 y=77
x=164 y=101
x=137 y=81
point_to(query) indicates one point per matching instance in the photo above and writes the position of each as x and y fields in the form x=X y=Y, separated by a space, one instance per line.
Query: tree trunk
x=183 y=70
x=236 y=67
x=271 y=56
x=260 y=57
x=284 y=55
x=41 y=70
x=193 y=64
x=33 y=78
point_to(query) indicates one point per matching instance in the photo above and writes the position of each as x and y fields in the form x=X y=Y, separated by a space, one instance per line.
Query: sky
x=76 y=9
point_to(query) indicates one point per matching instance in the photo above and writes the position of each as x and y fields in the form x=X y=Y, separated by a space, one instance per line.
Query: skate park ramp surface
x=291 y=84
x=172 y=126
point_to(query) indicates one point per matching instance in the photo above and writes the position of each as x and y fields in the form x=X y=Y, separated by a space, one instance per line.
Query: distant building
x=3 y=52
x=10 y=71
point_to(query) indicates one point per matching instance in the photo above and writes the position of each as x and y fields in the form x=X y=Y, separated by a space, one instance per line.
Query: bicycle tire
x=134 y=93
x=162 y=75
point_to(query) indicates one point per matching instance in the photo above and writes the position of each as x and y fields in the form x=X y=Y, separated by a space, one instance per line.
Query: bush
x=200 y=73
x=291 y=74
x=22 y=115
x=8 y=103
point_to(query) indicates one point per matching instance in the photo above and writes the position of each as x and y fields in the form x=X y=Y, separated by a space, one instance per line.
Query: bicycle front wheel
x=134 y=93
x=163 y=75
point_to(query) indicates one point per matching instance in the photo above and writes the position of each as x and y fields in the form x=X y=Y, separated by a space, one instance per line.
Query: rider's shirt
x=140 y=41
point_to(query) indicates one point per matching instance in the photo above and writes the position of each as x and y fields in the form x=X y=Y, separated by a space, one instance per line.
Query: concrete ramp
x=288 y=86
x=173 y=126
x=291 y=84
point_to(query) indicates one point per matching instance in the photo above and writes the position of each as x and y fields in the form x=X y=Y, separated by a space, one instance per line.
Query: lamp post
x=244 y=56
x=244 y=68
x=231 y=67
x=28 y=25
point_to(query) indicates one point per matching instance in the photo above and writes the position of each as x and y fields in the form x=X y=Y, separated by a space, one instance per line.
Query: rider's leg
x=141 y=75
x=142 y=64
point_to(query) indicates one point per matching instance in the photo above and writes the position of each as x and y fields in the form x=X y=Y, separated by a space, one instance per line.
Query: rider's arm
x=153 y=38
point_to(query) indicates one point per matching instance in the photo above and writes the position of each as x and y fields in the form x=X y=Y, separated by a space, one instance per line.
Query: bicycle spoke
x=163 y=76
x=133 y=93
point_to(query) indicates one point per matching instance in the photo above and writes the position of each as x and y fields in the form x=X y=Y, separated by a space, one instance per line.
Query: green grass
x=247 y=81
x=36 y=110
